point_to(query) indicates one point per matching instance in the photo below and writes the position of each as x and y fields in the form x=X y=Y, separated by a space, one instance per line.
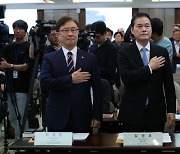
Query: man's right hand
x=156 y=62
x=178 y=55
x=80 y=77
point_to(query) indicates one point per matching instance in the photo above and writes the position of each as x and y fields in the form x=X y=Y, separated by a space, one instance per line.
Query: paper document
x=166 y=137
x=80 y=136
x=177 y=116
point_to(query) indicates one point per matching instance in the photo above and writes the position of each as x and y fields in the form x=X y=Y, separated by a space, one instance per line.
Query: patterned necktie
x=70 y=63
x=145 y=61
x=144 y=56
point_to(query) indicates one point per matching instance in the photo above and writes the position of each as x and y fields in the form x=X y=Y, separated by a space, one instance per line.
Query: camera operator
x=54 y=40
x=17 y=63
x=55 y=45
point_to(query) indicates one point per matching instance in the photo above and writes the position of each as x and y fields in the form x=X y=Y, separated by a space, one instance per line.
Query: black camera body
x=84 y=39
x=44 y=27
x=39 y=33
x=4 y=34
x=84 y=34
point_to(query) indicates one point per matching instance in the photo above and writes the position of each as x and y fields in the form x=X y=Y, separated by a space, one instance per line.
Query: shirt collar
x=175 y=42
x=74 y=51
x=140 y=46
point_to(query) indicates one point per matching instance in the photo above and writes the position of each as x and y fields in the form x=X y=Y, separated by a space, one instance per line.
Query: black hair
x=118 y=33
x=139 y=15
x=63 y=20
x=157 y=26
x=53 y=28
x=109 y=30
x=20 y=24
x=99 y=27
x=88 y=27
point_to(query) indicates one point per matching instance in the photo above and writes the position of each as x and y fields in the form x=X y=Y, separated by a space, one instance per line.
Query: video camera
x=39 y=33
x=43 y=27
x=84 y=39
x=4 y=34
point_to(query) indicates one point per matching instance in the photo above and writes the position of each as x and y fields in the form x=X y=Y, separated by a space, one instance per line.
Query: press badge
x=15 y=74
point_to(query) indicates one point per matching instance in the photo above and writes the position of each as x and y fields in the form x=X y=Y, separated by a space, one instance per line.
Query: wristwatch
x=12 y=66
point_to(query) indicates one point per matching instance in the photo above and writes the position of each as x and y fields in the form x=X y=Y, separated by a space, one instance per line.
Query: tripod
x=12 y=96
x=8 y=93
x=4 y=114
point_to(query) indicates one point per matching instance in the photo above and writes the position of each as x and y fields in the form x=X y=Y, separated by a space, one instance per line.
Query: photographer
x=16 y=63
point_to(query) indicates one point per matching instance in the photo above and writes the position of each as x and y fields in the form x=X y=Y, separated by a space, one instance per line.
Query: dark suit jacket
x=140 y=84
x=106 y=55
x=66 y=97
x=174 y=50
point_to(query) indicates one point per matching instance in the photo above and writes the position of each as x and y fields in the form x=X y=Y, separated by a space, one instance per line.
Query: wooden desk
x=96 y=143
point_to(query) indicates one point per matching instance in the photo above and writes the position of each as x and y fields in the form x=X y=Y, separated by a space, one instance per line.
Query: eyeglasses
x=54 y=34
x=72 y=30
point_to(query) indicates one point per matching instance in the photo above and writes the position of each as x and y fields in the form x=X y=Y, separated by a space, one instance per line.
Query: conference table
x=104 y=143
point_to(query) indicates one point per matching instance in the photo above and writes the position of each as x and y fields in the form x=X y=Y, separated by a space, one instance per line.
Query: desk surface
x=97 y=142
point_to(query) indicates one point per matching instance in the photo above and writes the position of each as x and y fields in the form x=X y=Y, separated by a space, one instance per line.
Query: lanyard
x=16 y=53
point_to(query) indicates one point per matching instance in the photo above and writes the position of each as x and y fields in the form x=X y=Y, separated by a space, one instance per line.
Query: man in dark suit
x=176 y=49
x=106 y=54
x=69 y=106
x=149 y=97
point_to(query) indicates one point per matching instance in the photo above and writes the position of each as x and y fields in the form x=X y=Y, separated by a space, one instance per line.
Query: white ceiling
x=67 y=4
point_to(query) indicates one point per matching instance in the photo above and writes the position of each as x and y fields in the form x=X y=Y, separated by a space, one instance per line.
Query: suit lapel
x=80 y=59
x=136 y=55
x=153 y=50
x=174 y=49
x=62 y=59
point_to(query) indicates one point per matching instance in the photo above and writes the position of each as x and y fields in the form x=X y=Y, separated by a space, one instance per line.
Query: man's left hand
x=95 y=123
x=170 y=120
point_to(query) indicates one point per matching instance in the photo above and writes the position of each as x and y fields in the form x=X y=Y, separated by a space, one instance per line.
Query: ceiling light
x=82 y=1
x=128 y=0
x=48 y=1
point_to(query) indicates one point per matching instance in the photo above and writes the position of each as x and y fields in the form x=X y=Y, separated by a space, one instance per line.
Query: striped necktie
x=70 y=63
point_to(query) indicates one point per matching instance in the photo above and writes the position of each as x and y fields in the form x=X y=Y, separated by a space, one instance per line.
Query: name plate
x=53 y=138
x=143 y=139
